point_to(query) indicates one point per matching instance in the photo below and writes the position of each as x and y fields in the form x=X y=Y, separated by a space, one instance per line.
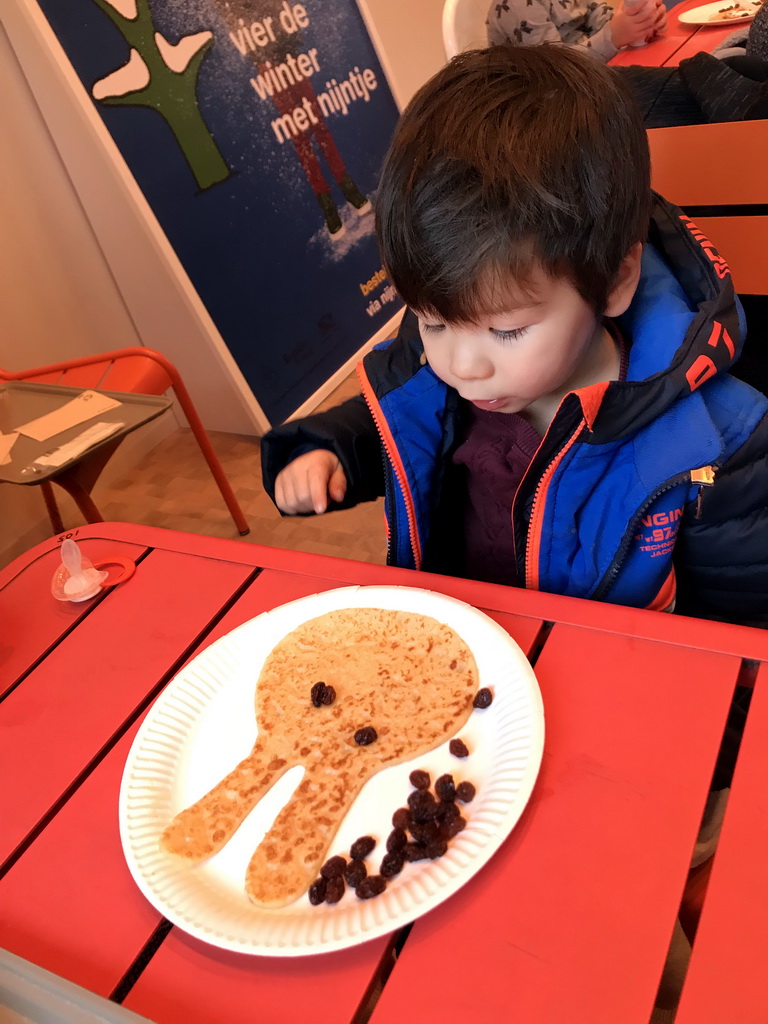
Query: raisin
x=316 y=694
x=333 y=868
x=445 y=789
x=423 y=806
x=373 y=885
x=334 y=890
x=361 y=847
x=425 y=832
x=483 y=698
x=436 y=848
x=392 y=864
x=452 y=828
x=329 y=696
x=414 y=851
x=465 y=792
x=365 y=736
x=458 y=748
x=419 y=779
x=401 y=818
x=447 y=812
x=354 y=873
x=317 y=891
x=397 y=839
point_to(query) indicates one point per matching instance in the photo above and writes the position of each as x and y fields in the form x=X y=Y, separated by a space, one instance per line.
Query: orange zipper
x=394 y=457
x=533 y=540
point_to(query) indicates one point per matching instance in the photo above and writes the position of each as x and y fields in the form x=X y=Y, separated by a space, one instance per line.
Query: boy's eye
x=510 y=335
x=432 y=328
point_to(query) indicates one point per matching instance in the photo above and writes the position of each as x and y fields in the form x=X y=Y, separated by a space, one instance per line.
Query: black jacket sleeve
x=347 y=430
x=721 y=557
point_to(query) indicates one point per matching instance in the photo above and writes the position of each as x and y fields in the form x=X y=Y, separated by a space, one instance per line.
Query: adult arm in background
x=701 y=90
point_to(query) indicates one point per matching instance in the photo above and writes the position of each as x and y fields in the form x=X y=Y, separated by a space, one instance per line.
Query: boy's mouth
x=491 y=403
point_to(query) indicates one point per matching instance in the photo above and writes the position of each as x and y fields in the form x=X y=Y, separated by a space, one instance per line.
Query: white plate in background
x=710 y=14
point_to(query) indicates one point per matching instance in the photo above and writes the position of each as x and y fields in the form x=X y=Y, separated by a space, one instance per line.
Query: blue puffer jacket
x=643 y=492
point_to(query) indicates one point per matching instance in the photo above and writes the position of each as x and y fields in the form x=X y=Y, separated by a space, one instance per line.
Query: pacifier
x=76 y=579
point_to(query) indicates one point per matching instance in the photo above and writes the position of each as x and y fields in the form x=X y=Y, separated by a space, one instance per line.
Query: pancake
x=409 y=677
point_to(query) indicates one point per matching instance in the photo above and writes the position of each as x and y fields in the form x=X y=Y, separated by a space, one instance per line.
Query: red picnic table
x=570 y=920
x=681 y=40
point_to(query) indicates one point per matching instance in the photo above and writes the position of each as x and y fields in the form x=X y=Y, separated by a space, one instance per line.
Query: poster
x=256 y=130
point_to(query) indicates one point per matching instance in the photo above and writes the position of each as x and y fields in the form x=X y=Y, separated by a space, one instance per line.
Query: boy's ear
x=625 y=283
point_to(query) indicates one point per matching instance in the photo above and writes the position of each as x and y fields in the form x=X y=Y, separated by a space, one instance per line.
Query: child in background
x=556 y=411
x=588 y=24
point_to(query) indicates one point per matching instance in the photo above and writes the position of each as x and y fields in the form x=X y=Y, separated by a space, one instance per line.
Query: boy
x=555 y=412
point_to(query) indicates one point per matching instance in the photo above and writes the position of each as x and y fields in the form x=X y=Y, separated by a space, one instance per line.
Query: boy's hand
x=306 y=483
x=637 y=25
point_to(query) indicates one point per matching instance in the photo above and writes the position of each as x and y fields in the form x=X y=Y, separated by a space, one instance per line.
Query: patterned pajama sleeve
x=570 y=22
x=525 y=22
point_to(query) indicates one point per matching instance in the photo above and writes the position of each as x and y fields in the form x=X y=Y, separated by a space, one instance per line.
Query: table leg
x=81 y=498
x=52 y=508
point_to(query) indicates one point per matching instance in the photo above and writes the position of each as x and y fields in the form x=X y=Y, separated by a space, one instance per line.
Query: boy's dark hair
x=507 y=159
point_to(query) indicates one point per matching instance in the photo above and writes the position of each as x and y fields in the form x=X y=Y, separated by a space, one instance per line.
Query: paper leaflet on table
x=7 y=442
x=87 y=405
x=78 y=445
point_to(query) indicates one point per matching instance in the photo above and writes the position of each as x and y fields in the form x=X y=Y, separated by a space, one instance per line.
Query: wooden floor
x=173 y=488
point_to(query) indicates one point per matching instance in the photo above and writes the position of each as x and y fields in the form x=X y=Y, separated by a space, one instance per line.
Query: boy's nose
x=467 y=363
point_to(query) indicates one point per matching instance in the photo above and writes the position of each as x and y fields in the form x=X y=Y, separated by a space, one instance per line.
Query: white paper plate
x=710 y=14
x=204 y=723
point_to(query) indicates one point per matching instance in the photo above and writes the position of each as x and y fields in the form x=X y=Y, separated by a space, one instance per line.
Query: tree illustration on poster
x=256 y=130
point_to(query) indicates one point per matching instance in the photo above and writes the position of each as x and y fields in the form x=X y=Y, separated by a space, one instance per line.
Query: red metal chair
x=137 y=370
x=715 y=172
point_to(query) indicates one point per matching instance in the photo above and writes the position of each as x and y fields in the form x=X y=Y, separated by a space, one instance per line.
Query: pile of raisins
x=420 y=831
x=423 y=829
x=338 y=872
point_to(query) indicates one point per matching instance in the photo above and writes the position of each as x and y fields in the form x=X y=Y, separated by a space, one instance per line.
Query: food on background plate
x=737 y=11
x=406 y=682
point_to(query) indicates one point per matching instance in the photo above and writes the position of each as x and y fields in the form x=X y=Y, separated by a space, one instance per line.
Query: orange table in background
x=680 y=41
x=570 y=921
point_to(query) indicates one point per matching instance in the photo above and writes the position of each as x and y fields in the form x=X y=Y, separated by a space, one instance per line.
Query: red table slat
x=32 y=619
x=188 y=981
x=272 y=588
x=726 y=977
x=716 y=637
x=571 y=921
x=70 y=904
x=56 y=720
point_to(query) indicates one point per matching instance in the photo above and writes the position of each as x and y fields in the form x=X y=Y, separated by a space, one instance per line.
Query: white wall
x=408 y=39
x=57 y=295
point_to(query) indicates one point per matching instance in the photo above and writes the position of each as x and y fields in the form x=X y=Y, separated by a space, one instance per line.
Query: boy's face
x=545 y=344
